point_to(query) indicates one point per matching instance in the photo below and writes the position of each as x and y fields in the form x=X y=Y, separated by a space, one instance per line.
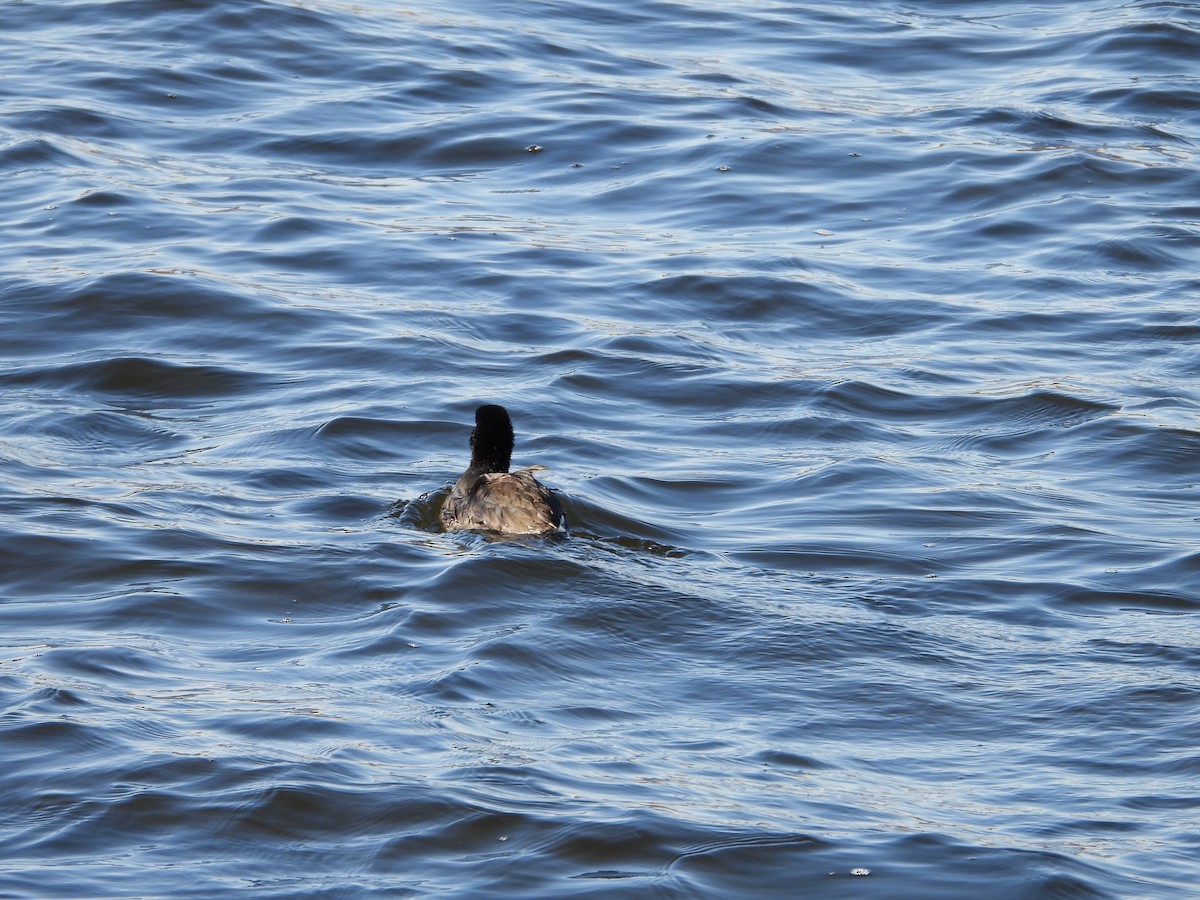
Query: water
x=860 y=340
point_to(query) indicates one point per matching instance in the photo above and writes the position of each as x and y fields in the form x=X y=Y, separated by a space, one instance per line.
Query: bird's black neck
x=491 y=440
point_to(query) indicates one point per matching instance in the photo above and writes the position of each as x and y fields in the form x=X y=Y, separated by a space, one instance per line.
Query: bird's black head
x=491 y=439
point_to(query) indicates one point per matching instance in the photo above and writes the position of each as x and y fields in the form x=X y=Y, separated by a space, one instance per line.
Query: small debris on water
x=533 y=148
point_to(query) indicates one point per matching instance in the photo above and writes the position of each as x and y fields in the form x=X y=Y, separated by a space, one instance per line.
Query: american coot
x=487 y=497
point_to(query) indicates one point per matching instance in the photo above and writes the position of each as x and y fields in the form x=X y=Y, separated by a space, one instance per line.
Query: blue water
x=861 y=343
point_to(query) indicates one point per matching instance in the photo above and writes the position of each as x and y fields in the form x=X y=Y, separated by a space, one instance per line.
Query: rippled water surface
x=860 y=341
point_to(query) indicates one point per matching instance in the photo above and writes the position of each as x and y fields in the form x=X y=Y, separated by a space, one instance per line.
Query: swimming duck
x=487 y=497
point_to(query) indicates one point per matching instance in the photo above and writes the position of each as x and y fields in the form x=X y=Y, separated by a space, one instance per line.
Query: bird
x=488 y=497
